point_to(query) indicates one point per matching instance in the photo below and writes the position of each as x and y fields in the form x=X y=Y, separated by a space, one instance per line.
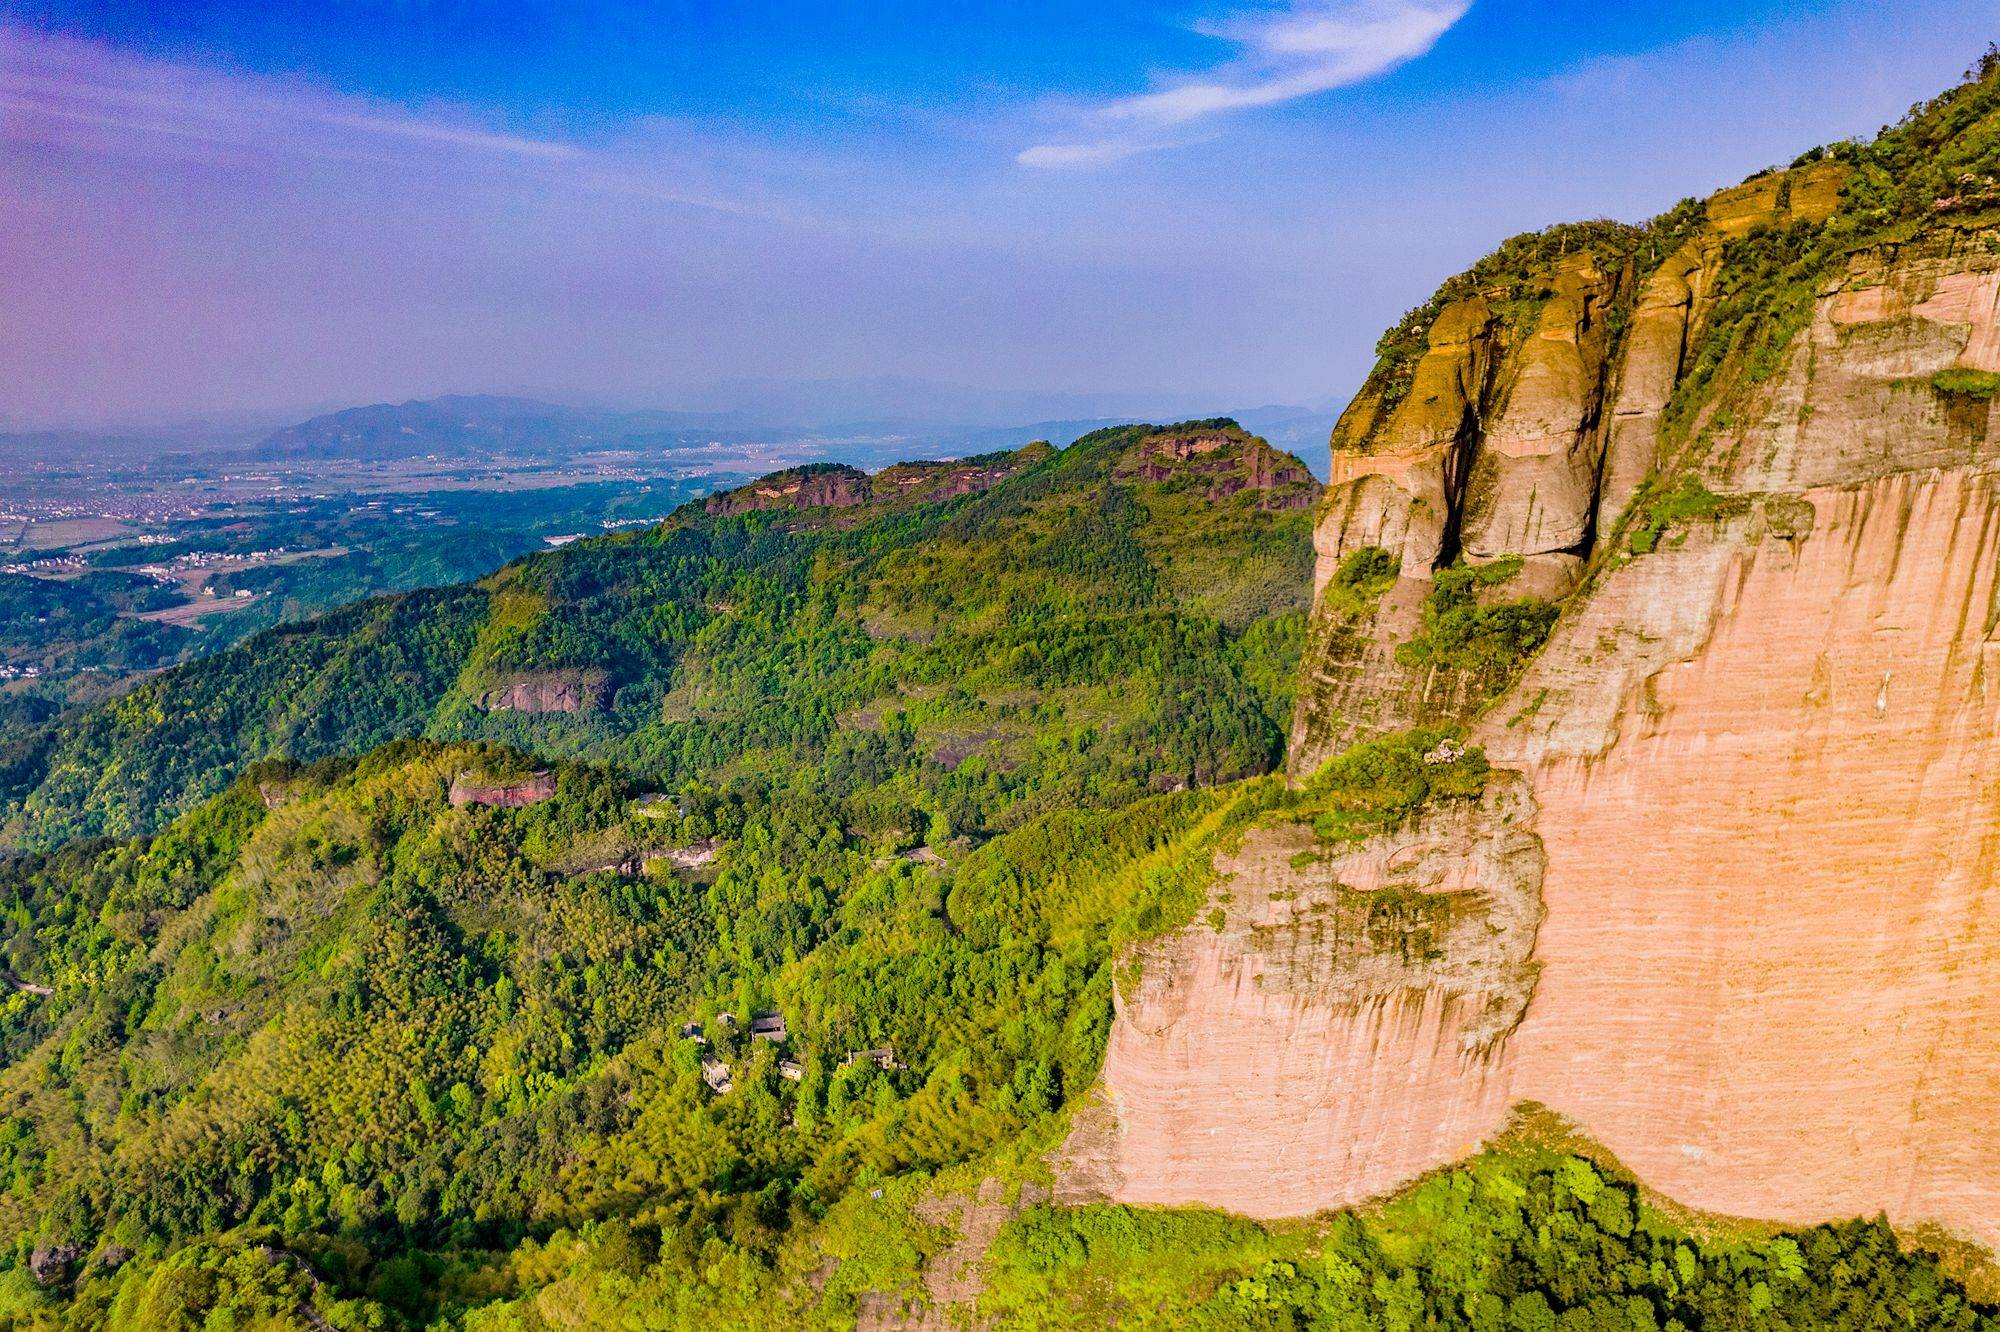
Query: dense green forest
x=333 y=1048
x=698 y=927
x=83 y=636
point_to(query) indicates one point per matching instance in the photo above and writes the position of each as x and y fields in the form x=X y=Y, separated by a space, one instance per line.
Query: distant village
x=769 y=1026
x=470 y=788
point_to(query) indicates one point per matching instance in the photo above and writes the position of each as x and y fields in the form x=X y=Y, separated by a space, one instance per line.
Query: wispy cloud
x=1309 y=47
x=75 y=97
x=46 y=79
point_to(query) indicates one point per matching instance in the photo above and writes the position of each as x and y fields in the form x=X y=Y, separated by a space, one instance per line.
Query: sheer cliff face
x=1750 y=791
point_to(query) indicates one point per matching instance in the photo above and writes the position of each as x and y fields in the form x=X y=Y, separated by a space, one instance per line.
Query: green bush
x=1977 y=385
x=1520 y=1240
x=1360 y=580
x=1491 y=643
x=1656 y=512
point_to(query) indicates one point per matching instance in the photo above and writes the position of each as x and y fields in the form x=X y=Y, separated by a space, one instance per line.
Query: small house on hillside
x=768 y=1026
x=659 y=805
x=883 y=1057
x=716 y=1074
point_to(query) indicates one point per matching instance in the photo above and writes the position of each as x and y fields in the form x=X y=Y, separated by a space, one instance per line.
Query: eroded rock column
x=1533 y=484
x=1655 y=350
x=1398 y=488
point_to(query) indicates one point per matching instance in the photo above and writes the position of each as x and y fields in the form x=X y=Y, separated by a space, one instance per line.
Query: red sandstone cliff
x=1733 y=909
x=508 y=793
x=548 y=691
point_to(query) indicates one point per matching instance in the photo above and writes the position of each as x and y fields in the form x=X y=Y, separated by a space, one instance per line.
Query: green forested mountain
x=333 y=1051
x=1078 y=626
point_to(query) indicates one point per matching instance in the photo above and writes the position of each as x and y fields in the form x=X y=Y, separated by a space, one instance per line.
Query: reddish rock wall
x=1763 y=765
x=469 y=790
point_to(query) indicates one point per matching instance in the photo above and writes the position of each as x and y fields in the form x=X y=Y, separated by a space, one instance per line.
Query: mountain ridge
x=364 y=663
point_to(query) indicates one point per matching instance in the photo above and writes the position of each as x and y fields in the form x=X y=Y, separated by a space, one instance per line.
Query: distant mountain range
x=480 y=425
x=868 y=423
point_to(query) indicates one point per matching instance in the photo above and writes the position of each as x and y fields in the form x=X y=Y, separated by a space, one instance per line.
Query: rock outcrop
x=1222 y=460
x=838 y=486
x=1667 y=316
x=508 y=793
x=922 y=481
x=818 y=486
x=1398 y=468
x=1736 y=895
x=1374 y=972
x=1532 y=488
x=548 y=691
x=1522 y=432
x=1777 y=199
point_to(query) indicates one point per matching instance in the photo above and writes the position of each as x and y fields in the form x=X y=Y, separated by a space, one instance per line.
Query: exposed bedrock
x=1669 y=308
x=1324 y=991
x=469 y=788
x=1533 y=484
x=1768 y=972
x=1397 y=470
x=548 y=691
x=1762 y=764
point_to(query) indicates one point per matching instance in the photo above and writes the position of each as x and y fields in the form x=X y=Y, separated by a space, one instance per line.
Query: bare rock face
x=1669 y=310
x=1397 y=471
x=471 y=789
x=1223 y=460
x=1492 y=452
x=549 y=691
x=1857 y=400
x=1323 y=986
x=1759 y=771
x=49 y=1263
x=1778 y=198
x=820 y=486
x=838 y=486
x=1534 y=480
x=949 y=480
x=1769 y=981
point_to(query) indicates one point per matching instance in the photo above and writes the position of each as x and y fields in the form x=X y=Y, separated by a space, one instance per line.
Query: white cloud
x=1308 y=48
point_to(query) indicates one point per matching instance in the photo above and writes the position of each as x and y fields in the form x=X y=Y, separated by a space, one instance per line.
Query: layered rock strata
x=506 y=793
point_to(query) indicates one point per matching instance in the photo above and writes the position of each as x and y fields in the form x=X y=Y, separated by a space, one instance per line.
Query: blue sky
x=224 y=206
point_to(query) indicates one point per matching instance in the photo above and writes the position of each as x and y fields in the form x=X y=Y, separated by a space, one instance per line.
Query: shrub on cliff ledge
x=1358 y=584
x=1379 y=783
x=1688 y=502
x=1490 y=642
x=1977 y=385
